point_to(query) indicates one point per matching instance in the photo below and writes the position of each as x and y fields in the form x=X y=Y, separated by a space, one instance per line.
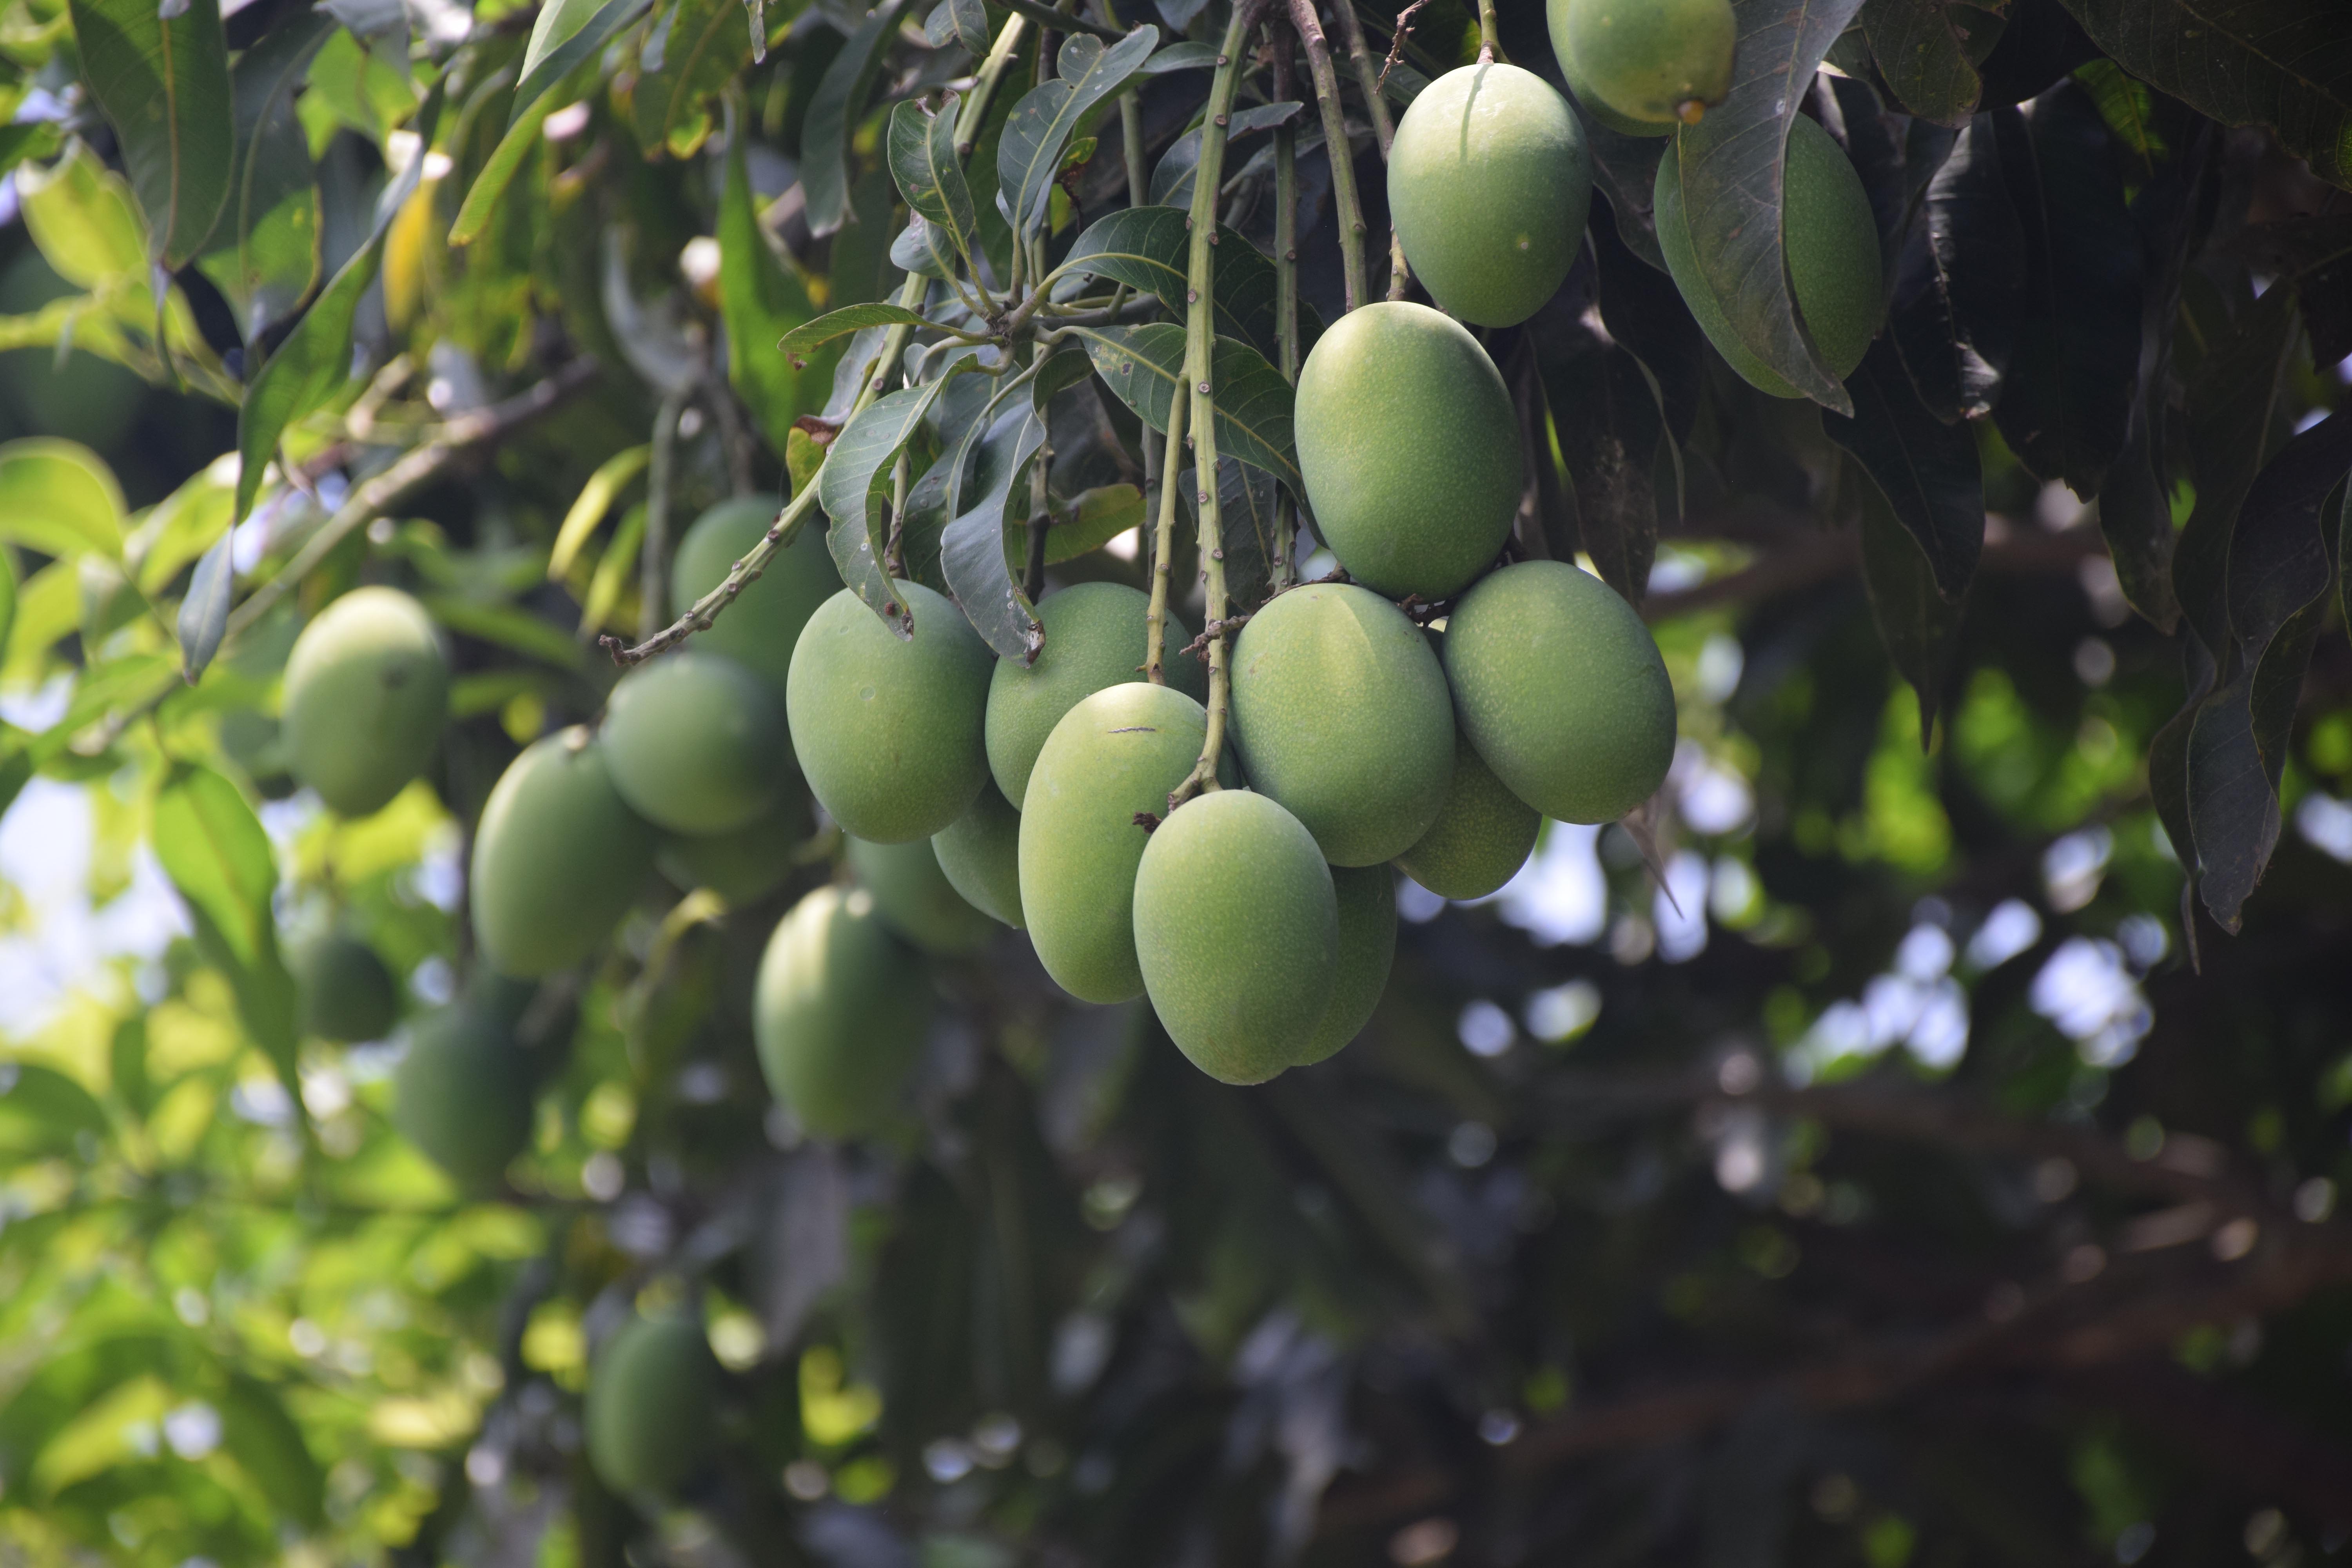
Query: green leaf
x=2233 y=414
x=974 y=549
x=267 y=1445
x=1150 y=248
x=971 y=19
x=509 y=627
x=43 y=1111
x=2314 y=256
x=1927 y=52
x=316 y=357
x=692 y=54
x=567 y=33
x=1605 y=417
x=1919 y=625
x=2281 y=557
x=204 y=613
x=854 y=485
x=1092 y=520
x=923 y=250
x=264 y=254
x=1728 y=171
x=760 y=301
x=1181 y=57
x=848 y=319
x=1030 y=155
x=24 y=143
x=58 y=498
x=1625 y=169
x=1959 y=284
x=7 y=600
x=923 y=161
x=523 y=138
x=2285 y=64
x=212 y=848
x=833 y=115
x=1249 y=531
x=162 y=76
x=1145 y=367
x=589 y=507
x=1171 y=177
x=1927 y=471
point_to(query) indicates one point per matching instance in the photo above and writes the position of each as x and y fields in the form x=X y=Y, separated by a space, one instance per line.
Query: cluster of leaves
x=482 y=302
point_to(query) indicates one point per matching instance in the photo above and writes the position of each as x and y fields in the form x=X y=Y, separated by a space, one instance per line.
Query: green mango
x=1094 y=638
x=697 y=743
x=746 y=864
x=839 y=1012
x=1489 y=183
x=759 y=629
x=1660 y=61
x=980 y=854
x=916 y=899
x=346 y=991
x=1237 y=929
x=463 y=1091
x=558 y=857
x=1409 y=449
x=1368 y=931
x=651 y=1392
x=1591 y=102
x=367 y=691
x=1481 y=837
x=1560 y=690
x=891 y=734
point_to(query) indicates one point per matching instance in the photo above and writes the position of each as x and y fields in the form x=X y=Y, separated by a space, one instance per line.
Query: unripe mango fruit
x=759 y=629
x=1340 y=712
x=1591 y=101
x=462 y=1093
x=1664 y=61
x=1094 y=638
x=650 y=1393
x=1481 y=837
x=980 y=854
x=1238 y=934
x=916 y=899
x=745 y=866
x=347 y=993
x=1830 y=240
x=1560 y=690
x=1368 y=930
x=1489 y=183
x=1409 y=449
x=839 y=1012
x=697 y=743
x=1118 y=753
x=367 y=691
x=891 y=734
x=558 y=857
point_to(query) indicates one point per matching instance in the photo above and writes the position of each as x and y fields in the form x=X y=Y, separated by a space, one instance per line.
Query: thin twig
x=1397 y=43
x=1214 y=630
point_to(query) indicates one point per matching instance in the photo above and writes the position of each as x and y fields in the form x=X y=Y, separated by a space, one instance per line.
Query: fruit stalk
x=787 y=526
x=1490 y=48
x=1285 y=322
x=1200 y=340
x=1163 y=544
x=1310 y=29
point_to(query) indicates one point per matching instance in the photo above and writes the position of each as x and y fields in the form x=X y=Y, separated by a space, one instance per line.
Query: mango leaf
x=264 y=254
x=760 y=301
x=1729 y=169
x=2233 y=413
x=316 y=357
x=1171 y=178
x=1927 y=52
x=268 y=1447
x=974 y=548
x=923 y=250
x=204 y=613
x=695 y=51
x=1249 y=531
x=964 y=22
x=832 y=114
x=2285 y=64
x=1150 y=248
x=1092 y=520
x=1030 y=154
x=2314 y=256
x=1607 y=421
x=161 y=73
x=1960 y=286
x=212 y=848
x=2281 y=557
x=58 y=498
x=854 y=485
x=923 y=161
x=7 y=601
x=1919 y=625
x=1184 y=55
x=841 y=324
x=566 y=33
x=85 y=220
x=26 y=142
x=523 y=137
x=589 y=507
x=1927 y=471
x=43 y=1111
x=1144 y=366
x=2065 y=406
x=1625 y=169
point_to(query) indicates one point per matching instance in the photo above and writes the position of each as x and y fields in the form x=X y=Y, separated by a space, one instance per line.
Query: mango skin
x=1560 y=690
x=746 y=864
x=1489 y=183
x=1094 y=638
x=891 y=735
x=1340 y=712
x=839 y=1011
x=346 y=991
x=1481 y=837
x=1831 y=243
x=650 y=1393
x=980 y=854
x=1117 y=752
x=1649 y=59
x=1368 y=930
x=367 y=691
x=916 y=899
x=1409 y=449
x=558 y=857
x=462 y=1094
x=1556 y=17
x=1237 y=929
x=697 y=743
x=759 y=629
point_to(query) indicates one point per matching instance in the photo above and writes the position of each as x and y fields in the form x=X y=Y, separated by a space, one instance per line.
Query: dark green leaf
x=1626 y=168
x=2286 y=64
x=855 y=483
x=694 y=51
x=922 y=248
x=1644 y=310
x=2234 y=808
x=1927 y=52
x=161 y=76
x=43 y=1111
x=1181 y=57
x=214 y=851
x=1145 y=367
x=204 y=613
x=833 y=115
x=761 y=300
x=2314 y=256
x=1927 y=471
x=1030 y=154
x=1606 y=419
x=2065 y=405
x=923 y=161
x=2281 y=558
x=971 y=19
x=267 y=1445
x=841 y=324
x=2136 y=518
x=567 y=33
x=927 y=508
x=24 y=143
x=523 y=137
x=1249 y=531
x=264 y=254
x=2233 y=415
x=1919 y=626
x=1171 y=179
x=1960 y=286
x=1150 y=248
x=973 y=549
x=1092 y=520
